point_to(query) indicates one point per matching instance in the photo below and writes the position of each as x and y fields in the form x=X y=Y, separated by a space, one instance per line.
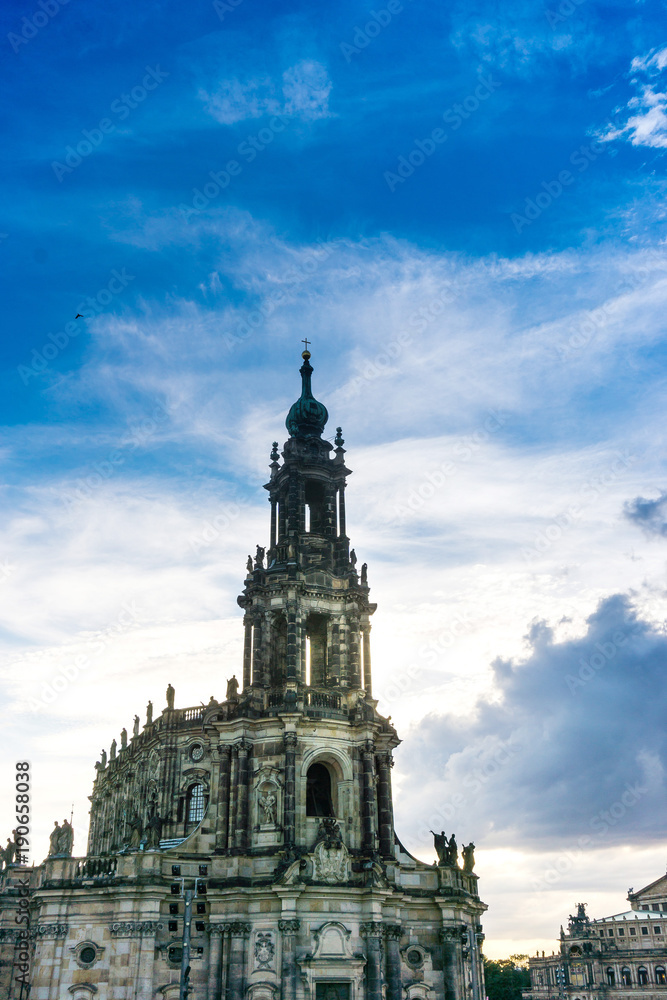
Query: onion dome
x=307 y=416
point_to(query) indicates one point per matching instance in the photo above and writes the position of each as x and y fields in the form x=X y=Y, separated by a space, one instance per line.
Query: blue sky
x=462 y=206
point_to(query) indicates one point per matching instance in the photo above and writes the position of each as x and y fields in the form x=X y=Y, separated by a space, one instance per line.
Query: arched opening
x=278 y=668
x=660 y=975
x=316 y=650
x=315 y=506
x=195 y=805
x=626 y=977
x=318 y=791
x=642 y=976
x=611 y=977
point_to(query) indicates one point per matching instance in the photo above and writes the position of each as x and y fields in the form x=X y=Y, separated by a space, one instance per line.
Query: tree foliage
x=506 y=977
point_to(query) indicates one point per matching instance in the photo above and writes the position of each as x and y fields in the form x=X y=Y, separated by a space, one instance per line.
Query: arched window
x=642 y=976
x=625 y=976
x=315 y=506
x=611 y=977
x=660 y=976
x=318 y=791
x=196 y=802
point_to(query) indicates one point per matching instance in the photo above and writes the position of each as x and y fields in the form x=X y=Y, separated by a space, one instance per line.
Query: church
x=246 y=848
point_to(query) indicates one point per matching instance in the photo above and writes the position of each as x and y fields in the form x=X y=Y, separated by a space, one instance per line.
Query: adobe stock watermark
x=581 y=158
x=601 y=824
x=121 y=107
x=31 y=26
x=224 y=7
x=378 y=20
x=71 y=672
x=566 y=9
x=221 y=179
x=454 y=117
x=464 y=450
x=487 y=765
x=215 y=528
x=56 y=343
x=605 y=651
x=590 y=492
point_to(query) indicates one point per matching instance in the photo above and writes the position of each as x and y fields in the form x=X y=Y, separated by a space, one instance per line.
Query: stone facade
x=274 y=806
x=620 y=957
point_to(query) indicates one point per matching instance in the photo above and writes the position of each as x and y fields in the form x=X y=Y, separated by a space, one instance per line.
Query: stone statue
x=170 y=696
x=353 y=558
x=149 y=713
x=135 y=831
x=112 y=750
x=153 y=827
x=232 y=689
x=54 y=840
x=9 y=853
x=212 y=703
x=364 y=572
x=135 y=728
x=267 y=803
x=440 y=844
x=452 y=853
x=259 y=557
x=123 y=738
x=104 y=759
x=65 y=839
x=249 y=565
x=468 y=853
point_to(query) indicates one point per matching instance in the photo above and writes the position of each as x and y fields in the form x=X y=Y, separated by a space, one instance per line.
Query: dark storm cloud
x=649 y=515
x=574 y=746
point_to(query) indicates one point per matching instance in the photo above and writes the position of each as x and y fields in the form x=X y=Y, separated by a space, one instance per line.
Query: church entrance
x=332 y=991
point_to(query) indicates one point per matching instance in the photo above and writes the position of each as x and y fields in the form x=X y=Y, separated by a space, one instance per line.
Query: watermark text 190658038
x=22 y=831
x=17 y=853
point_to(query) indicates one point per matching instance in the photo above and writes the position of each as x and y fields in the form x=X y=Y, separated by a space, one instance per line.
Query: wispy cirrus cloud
x=643 y=120
x=302 y=93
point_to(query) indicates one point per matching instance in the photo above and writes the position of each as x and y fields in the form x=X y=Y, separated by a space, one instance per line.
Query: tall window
x=642 y=976
x=318 y=791
x=626 y=977
x=315 y=506
x=611 y=977
x=195 y=812
x=660 y=976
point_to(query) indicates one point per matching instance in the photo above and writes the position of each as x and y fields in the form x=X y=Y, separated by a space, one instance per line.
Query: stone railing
x=96 y=867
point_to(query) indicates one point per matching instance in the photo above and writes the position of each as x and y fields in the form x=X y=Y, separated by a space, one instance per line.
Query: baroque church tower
x=258 y=832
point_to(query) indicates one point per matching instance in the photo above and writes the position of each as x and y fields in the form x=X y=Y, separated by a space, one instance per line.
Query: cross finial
x=306 y=342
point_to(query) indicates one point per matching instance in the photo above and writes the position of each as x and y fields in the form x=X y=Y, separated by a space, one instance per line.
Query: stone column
x=247 y=652
x=368 y=680
x=216 y=933
x=355 y=658
x=289 y=929
x=289 y=810
x=239 y=933
x=242 y=748
x=392 y=933
x=273 y=523
x=386 y=813
x=222 y=821
x=368 y=797
x=373 y=934
x=451 y=973
x=292 y=643
x=333 y=666
x=341 y=511
x=257 y=652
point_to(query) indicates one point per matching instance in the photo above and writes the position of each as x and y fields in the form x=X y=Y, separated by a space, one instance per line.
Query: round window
x=87 y=955
x=414 y=957
x=197 y=752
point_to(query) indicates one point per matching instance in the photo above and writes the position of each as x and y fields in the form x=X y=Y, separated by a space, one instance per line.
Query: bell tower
x=307 y=612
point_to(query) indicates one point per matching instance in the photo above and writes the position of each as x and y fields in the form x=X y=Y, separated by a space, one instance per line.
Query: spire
x=307 y=416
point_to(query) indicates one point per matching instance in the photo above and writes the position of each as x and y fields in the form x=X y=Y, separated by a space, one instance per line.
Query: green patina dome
x=307 y=416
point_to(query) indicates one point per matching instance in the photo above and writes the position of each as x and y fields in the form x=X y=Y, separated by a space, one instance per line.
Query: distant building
x=624 y=955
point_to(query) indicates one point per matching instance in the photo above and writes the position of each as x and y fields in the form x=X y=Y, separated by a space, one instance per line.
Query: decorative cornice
x=238 y=928
x=393 y=931
x=49 y=931
x=372 y=929
x=243 y=747
x=217 y=929
x=135 y=928
x=289 y=926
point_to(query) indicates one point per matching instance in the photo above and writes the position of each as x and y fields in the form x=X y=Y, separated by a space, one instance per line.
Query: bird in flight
x=79 y=316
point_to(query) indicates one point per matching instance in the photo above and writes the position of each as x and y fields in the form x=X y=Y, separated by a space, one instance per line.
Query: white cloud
x=304 y=94
x=643 y=120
